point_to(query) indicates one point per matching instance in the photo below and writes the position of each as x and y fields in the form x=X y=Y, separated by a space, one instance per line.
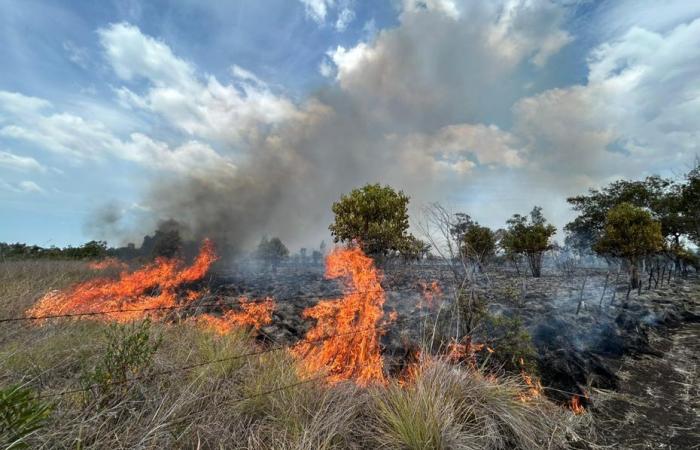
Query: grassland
x=258 y=402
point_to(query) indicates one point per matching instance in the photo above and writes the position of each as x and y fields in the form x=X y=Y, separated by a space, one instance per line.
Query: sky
x=244 y=118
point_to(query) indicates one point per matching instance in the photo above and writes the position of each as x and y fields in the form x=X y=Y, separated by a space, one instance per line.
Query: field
x=170 y=382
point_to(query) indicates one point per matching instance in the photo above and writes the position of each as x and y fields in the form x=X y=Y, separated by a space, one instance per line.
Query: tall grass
x=222 y=405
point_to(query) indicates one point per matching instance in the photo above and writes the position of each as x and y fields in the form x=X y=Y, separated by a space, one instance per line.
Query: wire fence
x=219 y=303
x=233 y=357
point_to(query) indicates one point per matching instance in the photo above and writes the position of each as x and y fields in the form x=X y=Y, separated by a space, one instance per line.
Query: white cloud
x=471 y=57
x=199 y=105
x=325 y=68
x=29 y=186
x=81 y=139
x=638 y=110
x=345 y=16
x=460 y=147
x=76 y=54
x=317 y=9
x=9 y=160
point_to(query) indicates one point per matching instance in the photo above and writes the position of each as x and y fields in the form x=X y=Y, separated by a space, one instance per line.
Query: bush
x=129 y=354
x=21 y=414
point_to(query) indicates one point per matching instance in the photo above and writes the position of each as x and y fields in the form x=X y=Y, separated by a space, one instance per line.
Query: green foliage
x=413 y=249
x=630 y=233
x=690 y=203
x=272 y=252
x=374 y=216
x=129 y=354
x=21 y=413
x=530 y=238
x=512 y=345
x=89 y=250
x=479 y=244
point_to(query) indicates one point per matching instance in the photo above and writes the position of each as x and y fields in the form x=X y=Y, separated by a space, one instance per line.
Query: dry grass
x=219 y=405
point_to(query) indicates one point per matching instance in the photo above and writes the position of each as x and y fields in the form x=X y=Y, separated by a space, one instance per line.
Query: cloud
x=345 y=17
x=461 y=148
x=32 y=120
x=20 y=163
x=76 y=54
x=23 y=187
x=197 y=104
x=636 y=113
x=317 y=9
x=464 y=70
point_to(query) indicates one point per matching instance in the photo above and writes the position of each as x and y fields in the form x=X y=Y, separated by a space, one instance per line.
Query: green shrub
x=129 y=354
x=20 y=415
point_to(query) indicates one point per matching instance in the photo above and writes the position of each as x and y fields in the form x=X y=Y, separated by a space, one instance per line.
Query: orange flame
x=253 y=313
x=108 y=263
x=576 y=405
x=354 y=351
x=534 y=386
x=464 y=352
x=153 y=286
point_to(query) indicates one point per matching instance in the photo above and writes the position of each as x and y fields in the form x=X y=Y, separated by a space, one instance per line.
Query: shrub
x=129 y=354
x=21 y=414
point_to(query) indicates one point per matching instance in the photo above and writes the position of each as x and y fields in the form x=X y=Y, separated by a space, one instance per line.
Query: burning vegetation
x=147 y=292
x=349 y=326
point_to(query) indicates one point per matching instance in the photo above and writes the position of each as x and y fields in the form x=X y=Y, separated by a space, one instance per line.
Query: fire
x=464 y=352
x=354 y=351
x=576 y=405
x=429 y=292
x=534 y=386
x=253 y=313
x=108 y=263
x=153 y=286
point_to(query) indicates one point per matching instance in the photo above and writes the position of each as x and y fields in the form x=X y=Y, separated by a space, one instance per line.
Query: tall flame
x=253 y=313
x=153 y=286
x=354 y=351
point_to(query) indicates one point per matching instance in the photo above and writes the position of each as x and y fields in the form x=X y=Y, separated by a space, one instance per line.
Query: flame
x=108 y=263
x=153 y=286
x=576 y=405
x=354 y=351
x=534 y=387
x=464 y=352
x=253 y=313
x=429 y=291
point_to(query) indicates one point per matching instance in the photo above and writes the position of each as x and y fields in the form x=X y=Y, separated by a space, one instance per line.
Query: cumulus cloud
x=33 y=120
x=636 y=113
x=198 y=104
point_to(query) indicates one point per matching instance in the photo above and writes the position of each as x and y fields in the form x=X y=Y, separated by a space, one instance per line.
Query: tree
x=413 y=249
x=272 y=252
x=632 y=234
x=479 y=244
x=658 y=195
x=690 y=203
x=375 y=217
x=530 y=238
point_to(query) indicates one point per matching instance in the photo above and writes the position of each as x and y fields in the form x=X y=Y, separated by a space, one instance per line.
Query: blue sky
x=252 y=116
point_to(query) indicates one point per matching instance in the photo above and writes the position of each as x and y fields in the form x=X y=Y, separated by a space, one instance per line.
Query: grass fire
x=334 y=224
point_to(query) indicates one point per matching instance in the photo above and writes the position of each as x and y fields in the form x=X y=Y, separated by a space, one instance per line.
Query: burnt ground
x=637 y=357
x=657 y=404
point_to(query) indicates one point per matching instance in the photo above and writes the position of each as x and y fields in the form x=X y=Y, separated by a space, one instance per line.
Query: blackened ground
x=657 y=404
x=589 y=335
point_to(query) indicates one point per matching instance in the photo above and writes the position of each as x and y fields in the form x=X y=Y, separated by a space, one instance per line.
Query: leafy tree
x=375 y=217
x=690 y=203
x=630 y=233
x=272 y=252
x=413 y=249
x=478 y=244
x=530 y=238
x=656 y=194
